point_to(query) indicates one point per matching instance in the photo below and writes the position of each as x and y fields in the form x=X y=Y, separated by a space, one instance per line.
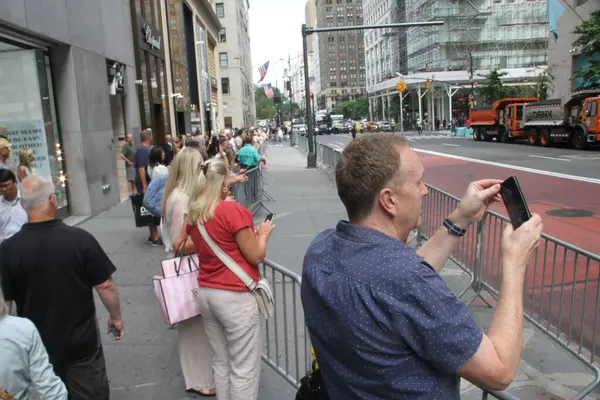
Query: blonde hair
x=183 y=174
x=24 y=154
x=208 y=192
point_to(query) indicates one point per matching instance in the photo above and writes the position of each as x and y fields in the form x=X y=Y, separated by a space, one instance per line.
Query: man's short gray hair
x=36 y=192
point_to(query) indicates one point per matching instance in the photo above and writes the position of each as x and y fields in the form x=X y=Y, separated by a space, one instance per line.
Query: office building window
x=220 y=10
x=222 y=35
x=223 y=60
x=225 y=85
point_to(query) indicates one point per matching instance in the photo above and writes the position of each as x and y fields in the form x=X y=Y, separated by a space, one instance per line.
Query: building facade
x=298 y=79
x=235 y=63
x=563 y=59
x=67 y=91
x=341 y=54
x=385 y=50
x=194 y=96
x=480 y=35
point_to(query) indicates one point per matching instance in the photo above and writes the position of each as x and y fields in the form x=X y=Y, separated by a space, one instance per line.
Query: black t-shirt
x=49 y=270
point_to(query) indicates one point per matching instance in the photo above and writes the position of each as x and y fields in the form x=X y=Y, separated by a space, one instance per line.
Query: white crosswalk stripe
x=424 y=137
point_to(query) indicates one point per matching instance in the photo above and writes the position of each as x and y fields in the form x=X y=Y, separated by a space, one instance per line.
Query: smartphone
x=515 y=203
x=270 y=217
x=115 y=332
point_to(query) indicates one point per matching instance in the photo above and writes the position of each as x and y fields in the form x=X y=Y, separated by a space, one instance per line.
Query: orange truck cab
x=501 y=120
x=590 y=118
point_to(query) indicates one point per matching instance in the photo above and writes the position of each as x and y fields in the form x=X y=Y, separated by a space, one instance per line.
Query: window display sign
x=30 y=134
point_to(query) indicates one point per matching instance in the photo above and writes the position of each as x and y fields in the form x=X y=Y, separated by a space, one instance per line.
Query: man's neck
x=382 y=226
x=35 y=217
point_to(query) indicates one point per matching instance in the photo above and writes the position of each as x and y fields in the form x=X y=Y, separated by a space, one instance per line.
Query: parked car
x=300 y=129
x=384 y=126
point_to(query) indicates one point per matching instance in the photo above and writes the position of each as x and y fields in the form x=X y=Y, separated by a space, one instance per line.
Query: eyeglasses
x=6 y=185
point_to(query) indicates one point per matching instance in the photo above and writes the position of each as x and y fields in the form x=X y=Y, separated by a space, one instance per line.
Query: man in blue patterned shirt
x=383 y=323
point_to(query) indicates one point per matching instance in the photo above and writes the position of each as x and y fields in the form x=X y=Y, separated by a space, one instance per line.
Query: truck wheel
x=534 y=138
x=504 y=137
x=544 y=138
x=487 y=137
x=578 y=140
x=476 y=134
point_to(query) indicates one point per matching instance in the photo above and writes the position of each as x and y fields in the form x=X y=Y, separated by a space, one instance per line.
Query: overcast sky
x=274 y=33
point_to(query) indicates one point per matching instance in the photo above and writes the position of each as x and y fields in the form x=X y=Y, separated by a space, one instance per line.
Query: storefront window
x=28 y=114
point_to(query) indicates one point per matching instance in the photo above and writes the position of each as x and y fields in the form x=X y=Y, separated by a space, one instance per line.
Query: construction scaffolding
x=477 y=34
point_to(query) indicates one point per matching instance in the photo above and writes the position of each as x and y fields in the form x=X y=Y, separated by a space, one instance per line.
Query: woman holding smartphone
x=230 y=312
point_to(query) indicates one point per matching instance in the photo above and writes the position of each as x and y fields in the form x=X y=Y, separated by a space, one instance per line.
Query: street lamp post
x=311 y=160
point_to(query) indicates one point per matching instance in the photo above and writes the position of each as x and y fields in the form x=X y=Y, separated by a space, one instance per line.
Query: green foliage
x=354 y=109
x=589 y=44
x=265 y=108
x=492 y=88
x=543 y=84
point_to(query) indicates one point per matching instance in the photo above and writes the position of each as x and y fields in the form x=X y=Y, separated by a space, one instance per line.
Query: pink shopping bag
x=175 y=289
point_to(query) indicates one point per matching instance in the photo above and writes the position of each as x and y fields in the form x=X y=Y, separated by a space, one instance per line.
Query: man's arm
x=496 y=362
x=122 y=157
x=109 y=294
x=472 y=208
x=439 y=247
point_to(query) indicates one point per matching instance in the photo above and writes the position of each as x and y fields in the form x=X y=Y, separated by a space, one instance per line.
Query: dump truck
x=501 y=120
x=576 y=123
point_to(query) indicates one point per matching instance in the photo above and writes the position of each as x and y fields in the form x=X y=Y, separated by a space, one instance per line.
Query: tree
x=492 y=88
x=358 y=108
x=589 y=44
x=265 y=108
x=544 y=83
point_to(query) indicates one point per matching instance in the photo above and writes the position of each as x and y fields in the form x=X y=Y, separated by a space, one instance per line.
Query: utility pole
x=306 y=31
x=290 y=88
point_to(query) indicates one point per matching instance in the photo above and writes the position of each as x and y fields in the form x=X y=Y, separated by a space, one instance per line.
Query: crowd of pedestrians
x=383 y=323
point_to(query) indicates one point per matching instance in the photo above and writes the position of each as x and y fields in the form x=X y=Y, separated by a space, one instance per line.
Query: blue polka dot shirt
x=383 y=323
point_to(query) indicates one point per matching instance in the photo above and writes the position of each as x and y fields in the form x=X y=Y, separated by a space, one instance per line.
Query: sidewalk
x=146 y=364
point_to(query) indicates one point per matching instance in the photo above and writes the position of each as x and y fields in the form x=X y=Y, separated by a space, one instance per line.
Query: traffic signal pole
x=311 y=161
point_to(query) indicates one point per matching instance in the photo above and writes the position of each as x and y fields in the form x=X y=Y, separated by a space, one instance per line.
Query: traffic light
x=401 y=86
x=427 y=84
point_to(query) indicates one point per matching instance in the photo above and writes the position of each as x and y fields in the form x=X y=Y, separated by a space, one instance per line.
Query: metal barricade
x=286 y=346
x=562 y=290
x=251 y=194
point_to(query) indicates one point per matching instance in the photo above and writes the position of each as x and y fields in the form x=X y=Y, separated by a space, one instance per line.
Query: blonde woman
x=26 y=164
x=195 y=353
x=230 y=312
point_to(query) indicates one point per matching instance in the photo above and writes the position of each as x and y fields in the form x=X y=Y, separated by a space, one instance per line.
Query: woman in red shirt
x=230 y=312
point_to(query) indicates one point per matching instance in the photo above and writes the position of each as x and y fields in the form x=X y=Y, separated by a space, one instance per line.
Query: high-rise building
x=385 y=50
x=313 y=43
x=564 y=59
x=341 y=54
x=235 y=62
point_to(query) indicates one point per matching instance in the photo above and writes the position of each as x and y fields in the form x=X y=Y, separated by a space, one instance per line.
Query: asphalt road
x=559 y=160
x=554 y=180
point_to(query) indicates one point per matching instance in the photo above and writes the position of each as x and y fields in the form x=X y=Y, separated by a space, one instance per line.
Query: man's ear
x=387 y=201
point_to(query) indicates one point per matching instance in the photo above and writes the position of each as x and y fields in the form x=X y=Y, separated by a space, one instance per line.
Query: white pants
x=195 y=354
x=232 y=323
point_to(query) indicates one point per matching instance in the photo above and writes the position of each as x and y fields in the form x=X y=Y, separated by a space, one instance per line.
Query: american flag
x=269 y=91
x=262 y=70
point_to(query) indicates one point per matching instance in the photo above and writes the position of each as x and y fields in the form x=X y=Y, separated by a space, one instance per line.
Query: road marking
x=450 y=144
x=515 y=167
x=549 y=158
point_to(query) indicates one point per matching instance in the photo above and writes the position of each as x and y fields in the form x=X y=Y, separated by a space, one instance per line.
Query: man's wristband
x=453 y=229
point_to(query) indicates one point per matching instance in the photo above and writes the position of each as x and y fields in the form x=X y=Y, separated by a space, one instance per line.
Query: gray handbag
x=262 y=290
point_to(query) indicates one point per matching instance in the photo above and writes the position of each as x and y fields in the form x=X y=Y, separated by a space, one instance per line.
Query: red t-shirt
x=229 y=218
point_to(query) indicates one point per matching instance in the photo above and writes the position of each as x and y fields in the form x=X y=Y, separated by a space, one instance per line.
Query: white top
x=12 y=217
x=157 y=171
x=177 y=207
x=25 y=362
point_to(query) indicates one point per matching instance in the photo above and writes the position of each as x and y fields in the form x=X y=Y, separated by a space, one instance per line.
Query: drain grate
x=569 y=213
